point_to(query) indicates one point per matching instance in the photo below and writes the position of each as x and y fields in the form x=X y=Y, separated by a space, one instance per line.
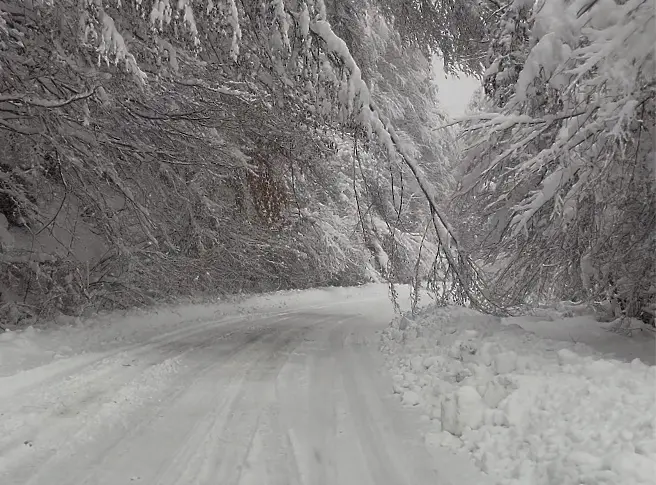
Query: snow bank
x=529 y=410
x=587 y=330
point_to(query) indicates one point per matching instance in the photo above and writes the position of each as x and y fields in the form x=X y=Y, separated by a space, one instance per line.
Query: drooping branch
x=20 y=129
x=365 y=112
x=562 y=171
x=46 y=103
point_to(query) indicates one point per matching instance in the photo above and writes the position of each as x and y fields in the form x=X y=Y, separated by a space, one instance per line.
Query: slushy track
x=294 y=398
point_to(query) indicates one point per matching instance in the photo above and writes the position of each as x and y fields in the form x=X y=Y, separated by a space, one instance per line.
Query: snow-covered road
x=276 y=397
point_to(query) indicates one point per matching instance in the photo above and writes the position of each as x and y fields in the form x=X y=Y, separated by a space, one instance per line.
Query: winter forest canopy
x=158 y=149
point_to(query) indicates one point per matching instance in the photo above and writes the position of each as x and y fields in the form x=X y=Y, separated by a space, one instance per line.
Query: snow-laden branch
x=363 y=108
x=566 y=164
x=45 y=103
x=16 y=128
x=502 y=121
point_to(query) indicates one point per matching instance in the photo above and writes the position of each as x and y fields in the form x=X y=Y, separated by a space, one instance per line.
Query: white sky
x=454 y=93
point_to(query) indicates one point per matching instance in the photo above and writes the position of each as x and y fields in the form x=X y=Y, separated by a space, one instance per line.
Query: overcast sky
x=454 y=93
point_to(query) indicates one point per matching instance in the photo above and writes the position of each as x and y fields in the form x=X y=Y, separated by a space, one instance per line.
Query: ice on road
x=292 y=397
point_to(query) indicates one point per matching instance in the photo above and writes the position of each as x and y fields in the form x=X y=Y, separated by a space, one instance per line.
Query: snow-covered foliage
x=185 y=160
x=562 y=167
x=112 y=45
x=528 y=410
x=454 y=29
x=453 y=268
x=507 y=52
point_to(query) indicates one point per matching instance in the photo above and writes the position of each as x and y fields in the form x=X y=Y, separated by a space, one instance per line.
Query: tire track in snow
x=286 y=399
x=74 y=394
x=84 y=425
x=65 y=370
x=178 y=429
x=315 y=414
x=192 y=457
x=229 y=442
x=391 y=458
x=41 y=378
x=118 y=451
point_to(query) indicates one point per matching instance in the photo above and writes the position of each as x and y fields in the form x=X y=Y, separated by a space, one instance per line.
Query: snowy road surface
x=287 y=397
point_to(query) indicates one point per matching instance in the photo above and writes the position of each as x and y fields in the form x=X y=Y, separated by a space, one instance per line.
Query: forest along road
x=289 y=398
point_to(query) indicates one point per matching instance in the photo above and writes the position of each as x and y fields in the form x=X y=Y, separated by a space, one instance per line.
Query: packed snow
x=530 y=410
x=283 y=388
x=26 y=348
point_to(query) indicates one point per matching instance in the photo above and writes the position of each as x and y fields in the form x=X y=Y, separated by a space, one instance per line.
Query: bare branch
x=46 y=103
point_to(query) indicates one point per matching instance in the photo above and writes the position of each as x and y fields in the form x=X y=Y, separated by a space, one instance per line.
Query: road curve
x=295 y=398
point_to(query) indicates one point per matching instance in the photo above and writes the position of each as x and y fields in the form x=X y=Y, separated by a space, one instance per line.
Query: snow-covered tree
x=223 y=108
x=508 y=49
x=564 y=164
x=454 y=29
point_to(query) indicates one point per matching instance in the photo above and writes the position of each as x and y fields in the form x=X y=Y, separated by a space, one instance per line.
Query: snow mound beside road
x=529 y=410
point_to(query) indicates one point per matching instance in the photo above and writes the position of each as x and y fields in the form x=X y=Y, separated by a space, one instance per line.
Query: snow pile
x=529 y=410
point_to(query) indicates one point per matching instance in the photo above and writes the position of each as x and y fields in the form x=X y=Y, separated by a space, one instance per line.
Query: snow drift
x=529 y=410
